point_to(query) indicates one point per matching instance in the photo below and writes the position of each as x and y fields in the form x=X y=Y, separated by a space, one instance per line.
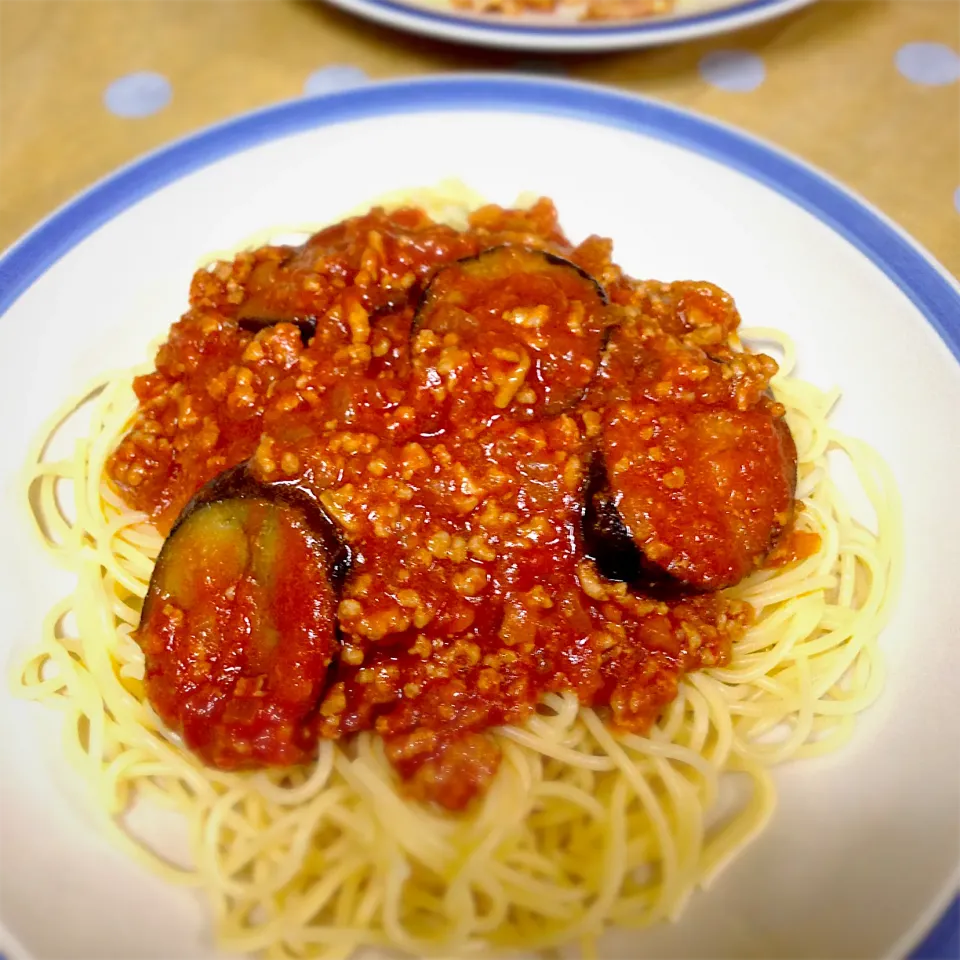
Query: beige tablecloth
x=840 y=83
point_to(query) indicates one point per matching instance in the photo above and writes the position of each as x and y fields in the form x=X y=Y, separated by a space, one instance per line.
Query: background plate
x=861 y=856
x=548 y=33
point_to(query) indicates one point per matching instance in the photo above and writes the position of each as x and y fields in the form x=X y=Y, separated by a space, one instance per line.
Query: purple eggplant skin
x=495 y=265
x=238 y=483
x=426 y=296
x=306 y=325
x=559 y=261
x=608 y=542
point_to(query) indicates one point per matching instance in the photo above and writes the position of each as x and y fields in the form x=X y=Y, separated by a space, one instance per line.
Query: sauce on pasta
x=444 y=398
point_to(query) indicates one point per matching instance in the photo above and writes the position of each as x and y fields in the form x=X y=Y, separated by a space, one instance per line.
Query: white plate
x=559 y=32
x=862 y=853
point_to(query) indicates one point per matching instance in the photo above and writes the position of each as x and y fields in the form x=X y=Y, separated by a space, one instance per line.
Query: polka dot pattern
x=333 y=78
x=928 y=64
x=138 y=94
x=736 y=71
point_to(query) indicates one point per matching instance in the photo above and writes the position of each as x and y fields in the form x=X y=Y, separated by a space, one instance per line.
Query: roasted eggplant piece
x=683 y=500
x=306 y=325
x=534 y=323
x=276 y=294
x=288 y=289
x=239 y=625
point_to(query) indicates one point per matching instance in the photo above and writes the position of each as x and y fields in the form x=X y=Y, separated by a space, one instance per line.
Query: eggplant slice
x=278 y=291
x=531 y=320
x=275 y=293
x=495 y=264
x=686 y=500
x=239 y=483
x=609 y=544
x=239 y=625
x=306 y=325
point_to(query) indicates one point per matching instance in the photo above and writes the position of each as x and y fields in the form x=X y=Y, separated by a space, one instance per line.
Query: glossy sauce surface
x=452 y=454
x=238 y=632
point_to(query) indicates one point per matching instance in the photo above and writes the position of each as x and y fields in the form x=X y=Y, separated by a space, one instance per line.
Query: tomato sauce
x=445 y=417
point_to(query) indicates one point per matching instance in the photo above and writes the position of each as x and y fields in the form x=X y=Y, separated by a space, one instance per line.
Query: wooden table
x=831 y=92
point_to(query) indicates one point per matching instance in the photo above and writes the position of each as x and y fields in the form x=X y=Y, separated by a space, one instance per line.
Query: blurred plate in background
x=573 y=25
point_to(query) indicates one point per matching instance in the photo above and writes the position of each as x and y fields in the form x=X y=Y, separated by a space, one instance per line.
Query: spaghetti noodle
x=582 y=827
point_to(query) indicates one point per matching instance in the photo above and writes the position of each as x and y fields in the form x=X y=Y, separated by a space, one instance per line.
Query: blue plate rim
x=911 y=268
x=640 y=28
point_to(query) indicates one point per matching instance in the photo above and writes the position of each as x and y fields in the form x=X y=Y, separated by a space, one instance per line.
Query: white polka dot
x=331 y=79
x=956 y=199
x=737 y=71
x=138 y=94
x=929 y=64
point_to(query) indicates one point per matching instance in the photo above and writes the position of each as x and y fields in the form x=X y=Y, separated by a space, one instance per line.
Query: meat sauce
x=442 y=397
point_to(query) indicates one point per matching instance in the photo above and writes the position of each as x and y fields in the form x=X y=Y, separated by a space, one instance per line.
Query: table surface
x=842 y=83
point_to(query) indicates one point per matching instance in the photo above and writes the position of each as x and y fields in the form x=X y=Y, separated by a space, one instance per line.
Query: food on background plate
x=439 y=572
x=584 y=12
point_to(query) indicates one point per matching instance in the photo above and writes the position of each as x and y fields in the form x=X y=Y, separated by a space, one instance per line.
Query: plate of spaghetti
x=436 y=552
x=568 y=25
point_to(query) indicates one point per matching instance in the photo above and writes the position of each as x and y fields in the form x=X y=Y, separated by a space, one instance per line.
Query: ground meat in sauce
x=469 y=595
